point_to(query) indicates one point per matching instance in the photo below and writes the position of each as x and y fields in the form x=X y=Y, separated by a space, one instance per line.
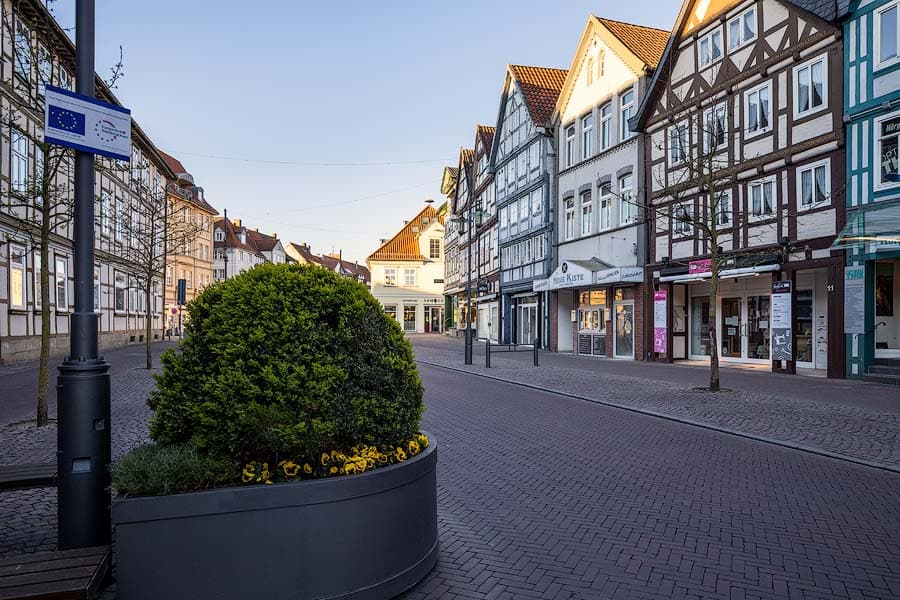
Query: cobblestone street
x=544 y=495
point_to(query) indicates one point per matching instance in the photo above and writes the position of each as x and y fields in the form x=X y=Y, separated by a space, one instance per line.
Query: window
x=627 y=112
x=120 y=219
x=132 y=296
x=133 y=228
x=570 y=218
x=715 y=125
x=96 y=288
x=606 y=126
x=887 y=32
x=39 y=175
x=537 y=206
x=390 y=276
x=590 y=71
x=723 y=208
x=888 y=130
x=601 y=59
x=170 y=275
x=409 y=277
x=762 y=198
x=17 y=277
x=44 y=68
x=587 y=213
x=62 y=284
x=683 y=217
x=22 y=66
x=758 y=110
x=514 y=218
x=605 y=206
x=710 y=47
x=570 y=146
x=742 y=29
x=189 y=280
x=220 y=235
x=814 y=183
x=434 y=248
x=678 y=144
x=587 y=136
x=19 y=158
x=37 y=279
x=65 y=80
x=627 y=210
x=810 y=87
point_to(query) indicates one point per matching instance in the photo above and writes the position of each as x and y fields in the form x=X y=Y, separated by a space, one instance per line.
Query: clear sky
x=330 y=122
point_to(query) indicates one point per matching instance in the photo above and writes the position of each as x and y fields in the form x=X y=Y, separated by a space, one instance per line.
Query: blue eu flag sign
x=66 y=119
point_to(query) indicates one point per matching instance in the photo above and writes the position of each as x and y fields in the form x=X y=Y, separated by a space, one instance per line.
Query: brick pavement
x=543 y=496
x=851 y=420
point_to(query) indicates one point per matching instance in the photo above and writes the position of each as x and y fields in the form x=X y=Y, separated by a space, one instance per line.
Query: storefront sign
x=660 y=314
x=540 y=285
x=782 y=334
x=855 y=299
x=619 y=275
x=568 y=275
x=698 y=267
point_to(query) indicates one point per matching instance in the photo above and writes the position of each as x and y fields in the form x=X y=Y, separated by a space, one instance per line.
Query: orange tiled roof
x=486 y=133
x=647 y=43
x=405 y=245
x=540 y=87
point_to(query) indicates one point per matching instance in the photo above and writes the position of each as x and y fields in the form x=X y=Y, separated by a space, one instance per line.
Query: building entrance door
x=744 y=332
x=624 y=338
x=437 y=319
x=731 y=338
x=527 y=321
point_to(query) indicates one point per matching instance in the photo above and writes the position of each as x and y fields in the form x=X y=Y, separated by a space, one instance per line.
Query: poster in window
x=884 y=290
x=890 y=135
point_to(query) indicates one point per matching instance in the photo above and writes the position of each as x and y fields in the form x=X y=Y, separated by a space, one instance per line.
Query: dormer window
x=220 y=235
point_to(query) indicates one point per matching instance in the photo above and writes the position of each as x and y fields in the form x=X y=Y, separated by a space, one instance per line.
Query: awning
x=876 y=226
x=585 y=273
x=725 y=274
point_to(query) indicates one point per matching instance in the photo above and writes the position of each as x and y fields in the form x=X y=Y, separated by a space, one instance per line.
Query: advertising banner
x=855 y=299
x=660 y=318
x=697 y=267
x=86 y=124
x=782 y=335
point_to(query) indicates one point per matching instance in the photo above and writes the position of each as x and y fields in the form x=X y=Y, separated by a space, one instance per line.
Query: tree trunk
x=44 y=369
x=148 y=315
x=713 y=315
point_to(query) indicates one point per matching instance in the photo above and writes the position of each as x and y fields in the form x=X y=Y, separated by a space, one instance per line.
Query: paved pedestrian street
x=545 y=495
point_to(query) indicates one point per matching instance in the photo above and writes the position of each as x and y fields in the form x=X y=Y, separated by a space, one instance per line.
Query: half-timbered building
x=871 y=237
x=451 y=252
x=523 y=159
x=460 y=207
x=754 y=88
x=486 y=253
x=600 y=233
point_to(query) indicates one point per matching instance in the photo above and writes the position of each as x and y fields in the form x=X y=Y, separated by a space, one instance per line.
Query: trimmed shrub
x=287 y=361
x=153 y=470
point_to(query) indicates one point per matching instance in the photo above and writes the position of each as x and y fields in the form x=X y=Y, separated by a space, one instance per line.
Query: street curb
x=682 y=420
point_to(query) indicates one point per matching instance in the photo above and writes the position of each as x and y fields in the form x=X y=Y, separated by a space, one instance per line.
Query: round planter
x=367 y=536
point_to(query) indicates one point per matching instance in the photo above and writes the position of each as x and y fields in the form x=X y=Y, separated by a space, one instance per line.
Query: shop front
x=604 y=305
x=417 y=315
x=488 y=319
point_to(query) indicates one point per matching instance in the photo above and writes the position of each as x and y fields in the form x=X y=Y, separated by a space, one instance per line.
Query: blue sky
x=313 y=98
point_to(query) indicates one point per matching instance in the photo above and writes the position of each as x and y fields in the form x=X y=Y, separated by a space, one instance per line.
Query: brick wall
x=640 y=321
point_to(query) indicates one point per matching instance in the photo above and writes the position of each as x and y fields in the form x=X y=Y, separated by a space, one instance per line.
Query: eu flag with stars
x=67 y=120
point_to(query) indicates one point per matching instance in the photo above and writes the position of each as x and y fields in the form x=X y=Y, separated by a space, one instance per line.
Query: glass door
x=527 y=323
x=437 y=319
x=731 y=338
x=758 y=327
x=804 y=336
x=700 y=326
x=624 y=338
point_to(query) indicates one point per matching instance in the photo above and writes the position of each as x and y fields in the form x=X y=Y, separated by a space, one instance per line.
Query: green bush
x=153 y=470
x=286 y=361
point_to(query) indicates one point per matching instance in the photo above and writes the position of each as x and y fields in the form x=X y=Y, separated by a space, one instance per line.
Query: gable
x=600 y=73
x=703 y=11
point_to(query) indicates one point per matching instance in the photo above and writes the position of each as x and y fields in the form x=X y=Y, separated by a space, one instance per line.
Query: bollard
x=487 y=353
x=536 y=347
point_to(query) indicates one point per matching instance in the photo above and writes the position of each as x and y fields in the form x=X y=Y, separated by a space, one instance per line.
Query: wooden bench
x=22 y=477
x=63 y=575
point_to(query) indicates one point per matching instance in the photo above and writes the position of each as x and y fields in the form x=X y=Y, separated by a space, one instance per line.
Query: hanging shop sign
x=660 y=318
x=698 y=267
x=782 y=334
x=855 y=299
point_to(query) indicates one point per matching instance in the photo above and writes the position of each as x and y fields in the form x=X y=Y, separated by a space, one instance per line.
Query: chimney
x=236 y=222
x=275 y=235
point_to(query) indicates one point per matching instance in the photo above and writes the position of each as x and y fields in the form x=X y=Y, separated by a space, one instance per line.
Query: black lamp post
x=83 y=394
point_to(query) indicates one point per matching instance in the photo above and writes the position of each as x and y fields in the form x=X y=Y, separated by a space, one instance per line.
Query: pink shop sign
x=660 y=319
x=696 y=267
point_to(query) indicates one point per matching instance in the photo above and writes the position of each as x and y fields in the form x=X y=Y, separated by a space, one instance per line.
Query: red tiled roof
x=540 y=88
x=233 y=237
x=486 y=134
x=177 y=168
x=347 y=268
x=263 y=242
x=647 y=43
x=405 y=245
x=306 y=253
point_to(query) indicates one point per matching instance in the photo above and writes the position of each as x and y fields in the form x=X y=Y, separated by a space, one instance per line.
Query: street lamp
x=461 y=222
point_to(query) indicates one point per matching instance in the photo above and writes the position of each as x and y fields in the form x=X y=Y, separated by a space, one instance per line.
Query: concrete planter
x=367 y=536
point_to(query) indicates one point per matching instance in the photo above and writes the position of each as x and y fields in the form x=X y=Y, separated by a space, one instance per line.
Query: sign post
x=660 y=318
x=83 y=389
x=782 y=330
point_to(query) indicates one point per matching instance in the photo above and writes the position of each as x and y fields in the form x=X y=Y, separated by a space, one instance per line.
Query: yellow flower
x=268 y=482
x=325 y=459
x=335 y=454
x=249 y=473
x=370 y=462
x=423 y=440
x=307 y=468
x=350 y=469
x=290 y=468
x=400 y=454
x=332 y=470
x=413 y=447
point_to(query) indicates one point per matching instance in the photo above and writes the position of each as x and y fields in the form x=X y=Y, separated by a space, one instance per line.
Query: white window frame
x=587 y=136
x=605 y=207
x=587 y=212
x=683 y=228
x=97 y=288
x=679 y=158
x=707 y=39
x=761 y=184
x=606 y=139
x=881 y=63
x=121 y=287
x=627 y=209
x=569 y=205
x=570 y=145
x=711 y=121
x=724 y=213
x=65 y=80
x=879 y=140
x=19 y=266
x=22 y=37
x=45 y=69
x=741 y=20
x=18 y=152
x=390 y=276
x=36 y=267
x=826 y=163
x=748 y=133
x=808 y=66
x=61 y=283
x=119 y=218
x=626 y=111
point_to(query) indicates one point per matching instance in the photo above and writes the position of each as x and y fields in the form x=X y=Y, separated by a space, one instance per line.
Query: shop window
x=700 y=324
x=888 y=130
x=409 y=317
x=17 y=277
x=391 y=311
